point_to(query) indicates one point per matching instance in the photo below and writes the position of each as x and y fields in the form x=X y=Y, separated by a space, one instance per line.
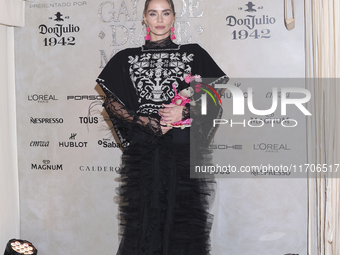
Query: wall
x=9 y=186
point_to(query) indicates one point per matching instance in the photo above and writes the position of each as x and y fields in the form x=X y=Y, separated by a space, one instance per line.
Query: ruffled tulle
x=162 y=211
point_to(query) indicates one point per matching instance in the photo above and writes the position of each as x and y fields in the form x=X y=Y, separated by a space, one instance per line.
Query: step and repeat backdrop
x=69 y=158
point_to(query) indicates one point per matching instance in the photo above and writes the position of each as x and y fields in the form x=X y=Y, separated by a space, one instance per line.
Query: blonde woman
x=163 y=210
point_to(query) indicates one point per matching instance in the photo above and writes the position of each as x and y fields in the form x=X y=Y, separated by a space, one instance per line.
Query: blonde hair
x=170 y=2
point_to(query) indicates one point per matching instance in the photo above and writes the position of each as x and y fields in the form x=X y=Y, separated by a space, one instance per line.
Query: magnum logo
x=46 y=166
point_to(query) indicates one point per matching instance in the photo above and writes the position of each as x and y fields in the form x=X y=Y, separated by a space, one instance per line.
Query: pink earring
x=147 y=37
x=173 y=37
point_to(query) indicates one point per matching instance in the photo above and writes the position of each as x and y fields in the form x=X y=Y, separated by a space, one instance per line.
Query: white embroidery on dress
x=153 y=74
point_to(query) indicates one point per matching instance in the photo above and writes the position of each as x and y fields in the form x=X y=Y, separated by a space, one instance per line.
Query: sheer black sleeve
x=125 y=118
x=121 y=115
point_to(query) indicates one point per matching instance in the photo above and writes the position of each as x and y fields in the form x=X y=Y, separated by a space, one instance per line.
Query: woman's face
x=159 y=18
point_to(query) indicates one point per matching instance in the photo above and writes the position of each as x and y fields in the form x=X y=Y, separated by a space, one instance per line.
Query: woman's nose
x=160 y=18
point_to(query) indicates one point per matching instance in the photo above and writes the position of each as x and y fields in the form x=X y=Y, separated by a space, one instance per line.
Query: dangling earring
x=173 y=37
x=147 y=37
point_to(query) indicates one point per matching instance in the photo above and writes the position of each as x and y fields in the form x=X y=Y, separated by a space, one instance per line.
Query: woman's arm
x=127 y=118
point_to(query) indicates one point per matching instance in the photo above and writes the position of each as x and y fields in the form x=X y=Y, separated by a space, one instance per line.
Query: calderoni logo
x=46 y=166
x=106 y=143
x=46 y=120
x=108 y=169
x=42 y=98
x=39 y=144
x=271 y=147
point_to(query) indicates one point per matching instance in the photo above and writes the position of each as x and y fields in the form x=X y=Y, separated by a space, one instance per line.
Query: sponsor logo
x=42 y=98
x=46 y=120
x=46 y=166
x=72 y=144
x=59 y=34
x=106 y=143
x=88 y=120
x=271 y=147
x=251 y=23
x=224 y=147
x=111 y=169
x=58 y=30
x=39 y=143
x=85 y=97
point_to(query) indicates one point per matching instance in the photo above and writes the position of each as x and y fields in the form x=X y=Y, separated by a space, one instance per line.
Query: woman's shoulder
x=122 y=55
x=128 y=51
x=194 y=46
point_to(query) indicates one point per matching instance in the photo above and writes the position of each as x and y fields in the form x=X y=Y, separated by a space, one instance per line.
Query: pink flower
x=188 y=78
x=198 y=78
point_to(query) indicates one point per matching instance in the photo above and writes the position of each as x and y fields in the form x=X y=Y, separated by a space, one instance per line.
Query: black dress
x=163 y=211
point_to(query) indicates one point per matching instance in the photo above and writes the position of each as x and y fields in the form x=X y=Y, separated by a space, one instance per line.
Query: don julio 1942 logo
x=60 y=34
x=254 y=25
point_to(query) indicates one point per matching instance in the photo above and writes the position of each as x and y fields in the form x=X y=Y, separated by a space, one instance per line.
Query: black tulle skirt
x=162 y=210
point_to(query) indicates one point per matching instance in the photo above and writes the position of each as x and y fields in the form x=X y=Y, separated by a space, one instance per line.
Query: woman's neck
x=159 y=43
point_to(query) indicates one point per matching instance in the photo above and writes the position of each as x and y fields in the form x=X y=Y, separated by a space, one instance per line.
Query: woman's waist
x=174 y=135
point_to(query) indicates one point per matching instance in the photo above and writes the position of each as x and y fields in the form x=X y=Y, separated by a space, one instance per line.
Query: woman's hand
x=171 y=113
x=165 y=128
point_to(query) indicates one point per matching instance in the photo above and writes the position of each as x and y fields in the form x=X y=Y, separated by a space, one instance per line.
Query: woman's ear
x=144 y=21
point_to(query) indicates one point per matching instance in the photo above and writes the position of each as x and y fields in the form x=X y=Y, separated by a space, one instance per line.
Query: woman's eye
x=152 y=14
x=167 y=14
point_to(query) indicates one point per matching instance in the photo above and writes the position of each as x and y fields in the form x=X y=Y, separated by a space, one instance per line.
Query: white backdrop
x=68 y=159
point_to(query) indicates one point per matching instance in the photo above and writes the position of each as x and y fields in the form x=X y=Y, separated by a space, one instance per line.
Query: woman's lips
x=160 y=27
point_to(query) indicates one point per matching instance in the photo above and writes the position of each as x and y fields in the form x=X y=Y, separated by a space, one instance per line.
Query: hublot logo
x=73 y=144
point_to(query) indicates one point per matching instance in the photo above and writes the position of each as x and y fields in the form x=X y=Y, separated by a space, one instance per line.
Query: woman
x=163 y=210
